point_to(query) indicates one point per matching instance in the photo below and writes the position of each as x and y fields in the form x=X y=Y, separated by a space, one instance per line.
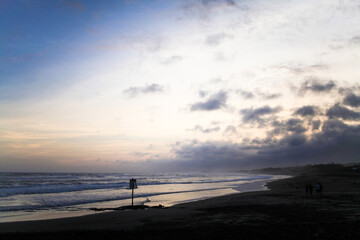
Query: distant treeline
x=331 y=169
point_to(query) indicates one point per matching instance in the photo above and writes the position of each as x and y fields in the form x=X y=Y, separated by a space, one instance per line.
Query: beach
x=40 y=196
x=285 y=211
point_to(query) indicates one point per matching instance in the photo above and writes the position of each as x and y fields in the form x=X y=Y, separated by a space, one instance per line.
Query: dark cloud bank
x=309 y=135
x=336 y=142
x=298 y=140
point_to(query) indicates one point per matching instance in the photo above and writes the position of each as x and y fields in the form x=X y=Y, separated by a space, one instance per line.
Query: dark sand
x=284 y=212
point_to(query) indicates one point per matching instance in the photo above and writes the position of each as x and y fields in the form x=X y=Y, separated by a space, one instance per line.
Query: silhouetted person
x=307 y=189
x=310 y=189
x=317 y=187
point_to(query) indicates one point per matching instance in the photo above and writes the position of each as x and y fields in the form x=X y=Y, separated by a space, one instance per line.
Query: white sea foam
x=48 y=191
x=37 y=184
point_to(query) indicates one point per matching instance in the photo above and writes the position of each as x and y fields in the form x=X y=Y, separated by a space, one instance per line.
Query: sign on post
x=133 y=185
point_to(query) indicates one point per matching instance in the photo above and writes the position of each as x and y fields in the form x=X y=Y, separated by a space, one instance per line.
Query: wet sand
x=286 y=211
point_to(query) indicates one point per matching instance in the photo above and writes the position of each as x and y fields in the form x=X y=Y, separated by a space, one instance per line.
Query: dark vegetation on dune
x=321 y=169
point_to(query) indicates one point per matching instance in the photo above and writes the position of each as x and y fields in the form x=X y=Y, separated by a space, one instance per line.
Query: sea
x=35 y=196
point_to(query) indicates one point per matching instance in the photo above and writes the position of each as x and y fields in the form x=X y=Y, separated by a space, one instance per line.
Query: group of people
x=309 y=188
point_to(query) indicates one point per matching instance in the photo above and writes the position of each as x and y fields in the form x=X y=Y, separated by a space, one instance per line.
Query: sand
x=286 y=211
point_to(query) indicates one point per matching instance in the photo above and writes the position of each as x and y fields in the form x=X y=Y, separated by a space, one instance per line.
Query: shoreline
x=284 y=211
x=31 y=225
x=51 y=214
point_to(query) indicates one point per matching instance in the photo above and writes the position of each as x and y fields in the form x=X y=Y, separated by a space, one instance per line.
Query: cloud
x=294 y=140
x=203 y=93
x=216 y=39
x=214 y=102
x=205 y=130
x=293 y=125
x=316 y=86
x=215 y=122
x=336 y=142
x=251 y=115
x=209 y=4
x=338 y=111
x=172 y=60
x=134 y=91
x=230 y=129
x=298 y=69
x=352 y=100
x=355 y=40
x=249 y=95
x=207 y=10
x=208 y=155
x=316 y=124
x=305 y=111
x=226 y=2
x=269 y=96
x=333 y=127
x=245 y=94
x=140 y=154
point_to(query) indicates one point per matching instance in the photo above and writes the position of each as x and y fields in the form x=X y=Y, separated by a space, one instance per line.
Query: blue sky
x=36 y=34
x=177 y=85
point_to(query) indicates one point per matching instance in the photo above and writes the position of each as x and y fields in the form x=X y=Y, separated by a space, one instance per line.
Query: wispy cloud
x=355 y=40
x=269 y=96
x=298 y=69
x=216 y=39
x=230 y=129
x=135 y=91
x=172 y=60
x=245 y=94
x=205 y=130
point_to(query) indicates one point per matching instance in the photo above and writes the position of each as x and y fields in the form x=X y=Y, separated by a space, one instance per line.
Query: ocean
x=34 y=196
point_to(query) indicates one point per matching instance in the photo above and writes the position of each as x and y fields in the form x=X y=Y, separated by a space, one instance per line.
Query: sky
x=202 y=85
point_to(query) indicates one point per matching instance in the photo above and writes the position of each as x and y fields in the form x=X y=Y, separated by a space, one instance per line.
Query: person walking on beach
x=310 y=189
x=321 y=188
x=317 y=187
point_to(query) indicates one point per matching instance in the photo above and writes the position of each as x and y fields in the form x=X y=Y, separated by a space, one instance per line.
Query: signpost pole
x=132 y=186
x=132 y=198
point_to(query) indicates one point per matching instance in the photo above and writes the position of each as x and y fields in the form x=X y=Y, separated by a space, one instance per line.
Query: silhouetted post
x=133 y=185
x=132 y=197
